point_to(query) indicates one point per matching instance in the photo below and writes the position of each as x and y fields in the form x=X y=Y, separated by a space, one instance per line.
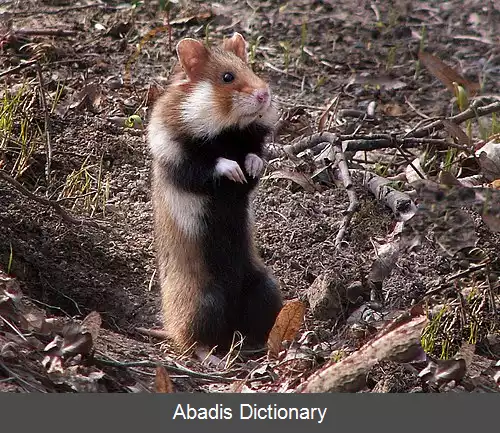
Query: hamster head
x=221 y=90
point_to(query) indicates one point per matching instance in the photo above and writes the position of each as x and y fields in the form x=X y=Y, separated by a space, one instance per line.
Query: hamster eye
x=228 y=77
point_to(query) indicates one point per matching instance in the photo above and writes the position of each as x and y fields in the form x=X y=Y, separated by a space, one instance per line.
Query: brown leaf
x=454 y=131
x=92 y=325
x=152 y=94
x=88 y=98
x=446 y=74
x=324 y=116
x=163 y=383
x=198 y=18
x=393 y=109
x=286 y=326
x=299 y=178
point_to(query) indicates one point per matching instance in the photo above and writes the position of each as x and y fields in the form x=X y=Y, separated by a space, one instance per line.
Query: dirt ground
x=72 y=270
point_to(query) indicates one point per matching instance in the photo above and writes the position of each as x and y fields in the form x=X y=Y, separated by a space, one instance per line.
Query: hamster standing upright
x=206 y=136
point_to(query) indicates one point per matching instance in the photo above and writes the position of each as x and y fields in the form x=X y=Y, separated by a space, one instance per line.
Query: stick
x=400 y=203
x=45 y=32
x=172 y=368
x=354 y=143
x=17 y=68
x=63 y=10
x=64 y=215
x=345 y=176
x=468 y=114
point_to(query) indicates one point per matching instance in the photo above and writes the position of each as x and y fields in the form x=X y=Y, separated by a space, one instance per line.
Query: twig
x=172 y=368
x=17 y=68
x=63 y=10
x=45 y=32
x=468 y=114
x=345 y=176
x=48 y=143
x=400 y=203
x=64 y=215
x=354 y=143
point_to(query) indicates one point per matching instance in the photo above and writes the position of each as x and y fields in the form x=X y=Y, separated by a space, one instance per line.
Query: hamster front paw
x=253 y=165
x=230 y=169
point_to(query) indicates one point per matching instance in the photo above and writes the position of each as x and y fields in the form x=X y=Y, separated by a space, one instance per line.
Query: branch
x=64 y=215
x=17 y=68
x=468 y=114
x=354 y=143
x=400 y=203
x=345 y=176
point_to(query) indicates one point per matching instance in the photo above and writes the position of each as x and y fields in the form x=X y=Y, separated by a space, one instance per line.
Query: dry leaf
x=89 y=98
x=299 y=178
x=324 y=116
x=454 y=131
x=393 y=109
x=163 y=383
x=92 y=325
x=387 y=257
x=198 y=18
x=286 y=326
x=446 y=74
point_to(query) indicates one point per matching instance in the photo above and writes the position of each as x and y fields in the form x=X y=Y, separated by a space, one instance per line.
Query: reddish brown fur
x=210 y=69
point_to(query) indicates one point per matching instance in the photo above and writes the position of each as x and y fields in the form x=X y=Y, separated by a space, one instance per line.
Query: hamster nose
x=262 y=95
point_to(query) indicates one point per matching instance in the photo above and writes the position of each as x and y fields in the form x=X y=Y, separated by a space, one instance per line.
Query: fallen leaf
x=88 y=98
x=488 y=157
x=92 y=325
x=163 y=383
x=299 y=178
x=386 y=258
x=454 y=131
x=198 y=18
x=446 y=74
x=286 y=326
x=393 y=110
x=324 y=116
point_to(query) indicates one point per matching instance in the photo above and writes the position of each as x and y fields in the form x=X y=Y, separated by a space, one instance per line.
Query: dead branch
x=54 y=205
x=45 y=32
x=471 y=113
x=17 y=68
x=172 y=368
x=354 y=143
x=400 y=203
x=63 y=10
x=345 y=176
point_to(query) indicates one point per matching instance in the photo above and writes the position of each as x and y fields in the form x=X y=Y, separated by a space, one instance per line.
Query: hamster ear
x=192 y=56
x=237 y=45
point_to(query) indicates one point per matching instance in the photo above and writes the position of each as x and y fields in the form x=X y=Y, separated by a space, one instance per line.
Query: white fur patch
x=199 y=112
x=161 y=143
x=186 y=209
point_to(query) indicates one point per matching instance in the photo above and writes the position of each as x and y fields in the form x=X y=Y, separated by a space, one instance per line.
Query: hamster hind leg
x=211 y=324
x=260 y=304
